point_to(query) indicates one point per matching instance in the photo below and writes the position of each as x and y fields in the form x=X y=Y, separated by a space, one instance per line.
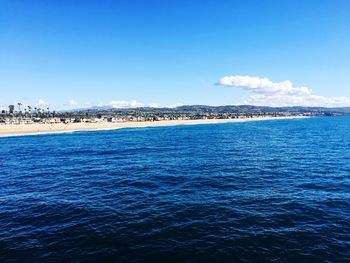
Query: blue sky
x=79 y=53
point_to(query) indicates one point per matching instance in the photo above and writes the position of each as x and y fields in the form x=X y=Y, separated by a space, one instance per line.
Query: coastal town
x=19 y=114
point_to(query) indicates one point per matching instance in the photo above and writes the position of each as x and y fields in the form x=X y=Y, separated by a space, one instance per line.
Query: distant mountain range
x=229 y=109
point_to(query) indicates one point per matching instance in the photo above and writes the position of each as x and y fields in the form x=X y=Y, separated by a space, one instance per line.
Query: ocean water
x=271 y=191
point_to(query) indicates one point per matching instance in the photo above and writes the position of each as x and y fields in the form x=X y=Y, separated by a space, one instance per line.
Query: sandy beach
x=12 y=129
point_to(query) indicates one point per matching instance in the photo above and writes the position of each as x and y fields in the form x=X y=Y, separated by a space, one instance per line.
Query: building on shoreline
x=31 y=115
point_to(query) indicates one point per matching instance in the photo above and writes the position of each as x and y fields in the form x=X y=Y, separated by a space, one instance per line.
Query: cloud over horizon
x=123 y=104
x=42 y=103
x=72 y=103
x=282 y=93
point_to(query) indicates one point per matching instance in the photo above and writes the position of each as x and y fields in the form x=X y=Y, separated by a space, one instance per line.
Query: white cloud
x=72 y=103
x=42 y=103
x=122 y=104
x=263 y=85
x=282 y=93
x=175 y=105
x=156 y=105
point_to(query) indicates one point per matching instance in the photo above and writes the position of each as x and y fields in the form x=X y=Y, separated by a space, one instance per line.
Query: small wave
x=54 y=132
x=35 y=133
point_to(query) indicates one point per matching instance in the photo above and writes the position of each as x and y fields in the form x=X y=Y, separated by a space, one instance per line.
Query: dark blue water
x=274 y=191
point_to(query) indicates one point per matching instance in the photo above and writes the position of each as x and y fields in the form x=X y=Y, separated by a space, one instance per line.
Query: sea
x=264 y=191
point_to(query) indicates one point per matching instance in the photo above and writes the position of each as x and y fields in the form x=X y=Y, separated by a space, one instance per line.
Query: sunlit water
x=239 y=192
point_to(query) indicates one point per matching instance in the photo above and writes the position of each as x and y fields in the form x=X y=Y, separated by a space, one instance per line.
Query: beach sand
x=11 y=129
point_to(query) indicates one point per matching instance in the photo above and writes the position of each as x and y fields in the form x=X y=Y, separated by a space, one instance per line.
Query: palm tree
x=19 y=107
x=30 y=110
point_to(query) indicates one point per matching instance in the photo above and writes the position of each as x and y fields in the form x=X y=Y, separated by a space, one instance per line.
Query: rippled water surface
x=241 y=192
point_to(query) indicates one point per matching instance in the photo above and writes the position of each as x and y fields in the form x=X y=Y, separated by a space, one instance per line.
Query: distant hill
x=250 y=108
x=227 y=109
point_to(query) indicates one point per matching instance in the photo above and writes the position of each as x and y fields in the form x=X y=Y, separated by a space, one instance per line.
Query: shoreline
x=37 y=129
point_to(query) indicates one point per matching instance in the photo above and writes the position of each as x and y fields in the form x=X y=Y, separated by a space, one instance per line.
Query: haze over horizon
x=67 y=55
